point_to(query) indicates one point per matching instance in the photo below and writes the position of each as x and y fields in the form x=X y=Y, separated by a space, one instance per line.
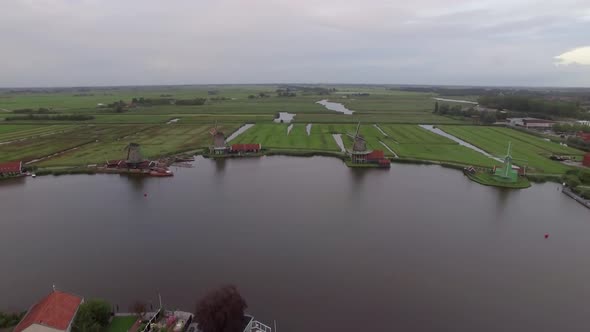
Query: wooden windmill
x=219 y=144
x=359 y=151
x=134 y=156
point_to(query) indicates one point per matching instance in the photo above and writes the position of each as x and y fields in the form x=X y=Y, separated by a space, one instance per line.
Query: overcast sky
x=460 y=42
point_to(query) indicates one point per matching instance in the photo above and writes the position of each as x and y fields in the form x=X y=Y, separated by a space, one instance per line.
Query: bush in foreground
x=221 y=310
x=92 y=316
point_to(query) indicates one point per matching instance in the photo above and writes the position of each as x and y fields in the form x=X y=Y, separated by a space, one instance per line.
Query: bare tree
x=139 y=308
x=221 y=310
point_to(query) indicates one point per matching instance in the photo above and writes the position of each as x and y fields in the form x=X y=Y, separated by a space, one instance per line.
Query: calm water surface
x=309 y=242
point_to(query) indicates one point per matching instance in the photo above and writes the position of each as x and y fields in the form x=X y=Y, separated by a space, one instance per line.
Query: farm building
x=584 y=136
x=586 y=161
x=532 y=123
x=244 y=148
x=377 y=157
x=9 y=169
x=53 y=313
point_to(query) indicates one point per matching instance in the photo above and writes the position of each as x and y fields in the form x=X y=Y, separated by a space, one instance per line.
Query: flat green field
x=121 y=324
x=411 y=141
x=526 y=149
x=274 y=136
x=38 y=147
x=398 y=114
x=16 y=132
x=156 y=141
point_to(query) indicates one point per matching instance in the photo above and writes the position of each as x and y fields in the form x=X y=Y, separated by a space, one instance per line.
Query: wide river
x=310 y=243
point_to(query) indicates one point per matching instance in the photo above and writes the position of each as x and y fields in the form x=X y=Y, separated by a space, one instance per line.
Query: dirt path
x=390 y=150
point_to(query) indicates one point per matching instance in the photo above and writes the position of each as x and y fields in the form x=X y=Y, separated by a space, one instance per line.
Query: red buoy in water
x=546 y=235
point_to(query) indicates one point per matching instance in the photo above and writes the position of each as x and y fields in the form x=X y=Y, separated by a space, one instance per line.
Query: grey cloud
x=92 y=42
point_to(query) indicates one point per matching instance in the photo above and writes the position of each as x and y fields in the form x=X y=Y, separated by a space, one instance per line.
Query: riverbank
x=481 y=179
x=488 y=179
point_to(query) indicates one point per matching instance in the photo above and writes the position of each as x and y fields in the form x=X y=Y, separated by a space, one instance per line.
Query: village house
x=583 y=135
x=531 y=123
x=246 y=148
x=53 y=313
x=586 y=161
x=10 y=169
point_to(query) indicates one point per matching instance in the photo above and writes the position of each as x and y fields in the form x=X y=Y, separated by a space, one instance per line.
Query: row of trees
x=151 y=101
x=60 y=117
x=487 y=117
x=570 y=128
x=92 y=316
x=578 y=143
x=529 y=104
x=259 y=95
x=10 y=319
x=285 y=93
x=168 y=101
x=191 y=102
x=316 y=90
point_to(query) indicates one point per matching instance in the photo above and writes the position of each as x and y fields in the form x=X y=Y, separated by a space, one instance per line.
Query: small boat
x=33 y=175
x=161 y=172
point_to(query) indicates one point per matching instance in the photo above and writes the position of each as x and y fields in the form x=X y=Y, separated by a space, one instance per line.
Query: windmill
x=507 y=172
x=219 y=144
x=134 y=156
x=359 y=150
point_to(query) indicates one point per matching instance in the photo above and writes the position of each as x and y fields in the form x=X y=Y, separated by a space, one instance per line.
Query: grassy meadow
x=397 y=113
x=532 y=151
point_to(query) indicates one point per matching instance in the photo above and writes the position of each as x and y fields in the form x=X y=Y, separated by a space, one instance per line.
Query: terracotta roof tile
x=55 y=310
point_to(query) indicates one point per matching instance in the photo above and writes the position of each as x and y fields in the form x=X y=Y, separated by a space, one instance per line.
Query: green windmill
x=507 y=173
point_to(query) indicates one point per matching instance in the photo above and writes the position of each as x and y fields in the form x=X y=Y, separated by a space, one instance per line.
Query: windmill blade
x=355 y=137
x=358 y=126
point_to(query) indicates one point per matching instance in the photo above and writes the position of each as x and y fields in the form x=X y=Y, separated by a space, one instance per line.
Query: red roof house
x=11 y=168
x=245 y=147
x=586 y=161
x=54 y=312
x=376 y=155
x=584 y=136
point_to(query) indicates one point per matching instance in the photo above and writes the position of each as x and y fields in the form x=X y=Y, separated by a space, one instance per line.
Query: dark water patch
x=415 y=248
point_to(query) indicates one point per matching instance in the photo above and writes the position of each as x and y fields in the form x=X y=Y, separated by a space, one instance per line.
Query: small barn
x=246 y=148
x=53 y=313
x=584 y=136
x=378 y=157
x=586 y=161
x=10 y=169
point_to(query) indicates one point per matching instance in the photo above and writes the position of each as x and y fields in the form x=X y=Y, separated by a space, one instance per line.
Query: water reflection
x=12 y=182
x=136 y=182
x=220 y=165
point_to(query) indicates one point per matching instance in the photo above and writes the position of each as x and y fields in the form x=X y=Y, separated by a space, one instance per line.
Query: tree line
x=570 y=128
x=10 y=319
x=529 y=104
x=487 y=117
x=43 y=117
x=168 y=101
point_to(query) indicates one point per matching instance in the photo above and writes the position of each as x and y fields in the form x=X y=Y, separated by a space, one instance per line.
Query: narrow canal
x=309 y=242
x=336 y=107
